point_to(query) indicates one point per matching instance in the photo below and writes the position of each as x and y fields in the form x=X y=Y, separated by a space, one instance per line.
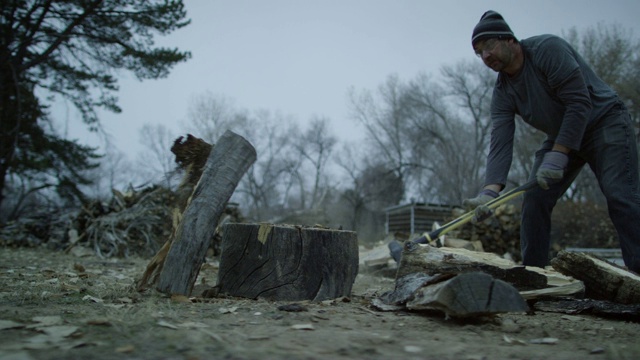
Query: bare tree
x=434 y=135
x=209 y=116
x=267 y=187
x=450 y=126
x=315 y=146
x=116 y=171
x=157 y=161
x=614 y=55
x=386 y=125
x=372 y=188
x=290 y=172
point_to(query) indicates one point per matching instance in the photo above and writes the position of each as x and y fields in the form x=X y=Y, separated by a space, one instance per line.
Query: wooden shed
x=415 y=217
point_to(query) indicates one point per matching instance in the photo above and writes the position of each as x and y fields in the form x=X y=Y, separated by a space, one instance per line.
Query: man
x=543 y=80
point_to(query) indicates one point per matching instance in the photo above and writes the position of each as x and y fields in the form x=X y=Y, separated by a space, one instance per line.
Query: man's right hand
x=482 y=211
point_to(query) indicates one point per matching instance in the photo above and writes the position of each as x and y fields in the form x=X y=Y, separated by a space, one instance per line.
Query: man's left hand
x=552 y=169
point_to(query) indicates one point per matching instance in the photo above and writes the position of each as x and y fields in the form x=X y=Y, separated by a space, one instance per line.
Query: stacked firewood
x=582 y=225
x=499 y=234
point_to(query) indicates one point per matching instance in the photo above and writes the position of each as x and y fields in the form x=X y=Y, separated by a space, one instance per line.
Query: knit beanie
x=491 y=25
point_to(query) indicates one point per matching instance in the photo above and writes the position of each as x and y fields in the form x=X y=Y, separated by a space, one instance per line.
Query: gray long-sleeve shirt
x=555 y=92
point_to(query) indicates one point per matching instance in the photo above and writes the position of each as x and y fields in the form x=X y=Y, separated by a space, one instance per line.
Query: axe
x=395 y=248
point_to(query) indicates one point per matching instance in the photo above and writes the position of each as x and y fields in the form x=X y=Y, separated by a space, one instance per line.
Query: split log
x=461 y=243
x=405 y=289
x=431 y=260
x=280 y=262
x=469 y=294
x=603 y=280
x=376 y=258
x=559 y=286
x=227 y=163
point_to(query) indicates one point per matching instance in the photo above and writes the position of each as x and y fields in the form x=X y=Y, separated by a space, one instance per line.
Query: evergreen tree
x=72 y=48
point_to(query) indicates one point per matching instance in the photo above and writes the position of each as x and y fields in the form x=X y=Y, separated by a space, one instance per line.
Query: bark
x=281 y=262
x=227 y=163
x=602 y=280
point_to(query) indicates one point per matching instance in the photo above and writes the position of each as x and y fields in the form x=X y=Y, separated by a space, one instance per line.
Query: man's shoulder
x=544 y=50
x=538 y=41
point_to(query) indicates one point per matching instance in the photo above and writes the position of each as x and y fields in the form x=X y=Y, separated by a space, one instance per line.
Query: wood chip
x=228 y=310
x=303 y=327
x=126 y=349
x=8 y=324
x=180 y=298
x=167 y=325
x=544 y=341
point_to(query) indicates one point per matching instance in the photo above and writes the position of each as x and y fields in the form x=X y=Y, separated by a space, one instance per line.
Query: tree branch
x=63 y=36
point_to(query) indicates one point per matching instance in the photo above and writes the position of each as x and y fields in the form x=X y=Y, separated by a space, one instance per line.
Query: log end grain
x=469 y=295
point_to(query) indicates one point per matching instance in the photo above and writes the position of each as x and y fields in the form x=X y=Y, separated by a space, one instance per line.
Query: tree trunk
x=10 y=116
x=286 y=262
x=227 y=163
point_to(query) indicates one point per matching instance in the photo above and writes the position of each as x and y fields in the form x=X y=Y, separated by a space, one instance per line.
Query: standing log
x=602 y=280
x=227 y=163
x=287 y=262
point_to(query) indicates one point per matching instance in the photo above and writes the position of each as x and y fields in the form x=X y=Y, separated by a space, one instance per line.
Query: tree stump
x=280 y=262
x=227 y=163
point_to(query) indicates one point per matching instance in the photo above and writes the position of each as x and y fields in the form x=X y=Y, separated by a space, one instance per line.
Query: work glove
x=478 y=203
x=552 y=169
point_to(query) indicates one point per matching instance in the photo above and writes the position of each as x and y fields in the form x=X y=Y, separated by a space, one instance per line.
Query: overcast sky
x=300 y=57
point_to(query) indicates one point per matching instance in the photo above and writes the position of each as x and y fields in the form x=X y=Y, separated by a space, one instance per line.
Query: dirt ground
x=62 y=306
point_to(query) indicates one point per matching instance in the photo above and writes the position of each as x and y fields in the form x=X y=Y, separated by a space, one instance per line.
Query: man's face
x=494 y=53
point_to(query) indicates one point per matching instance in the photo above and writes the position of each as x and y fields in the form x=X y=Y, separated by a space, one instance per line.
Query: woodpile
x=499 y=234
x=443 y=274
x=583 y=225
x=576 y=283
x=459 y=282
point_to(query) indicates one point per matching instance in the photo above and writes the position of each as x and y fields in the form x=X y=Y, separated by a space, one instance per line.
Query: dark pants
x=610 y=150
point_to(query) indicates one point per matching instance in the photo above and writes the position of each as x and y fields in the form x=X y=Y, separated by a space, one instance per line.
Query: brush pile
x=133 y=222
